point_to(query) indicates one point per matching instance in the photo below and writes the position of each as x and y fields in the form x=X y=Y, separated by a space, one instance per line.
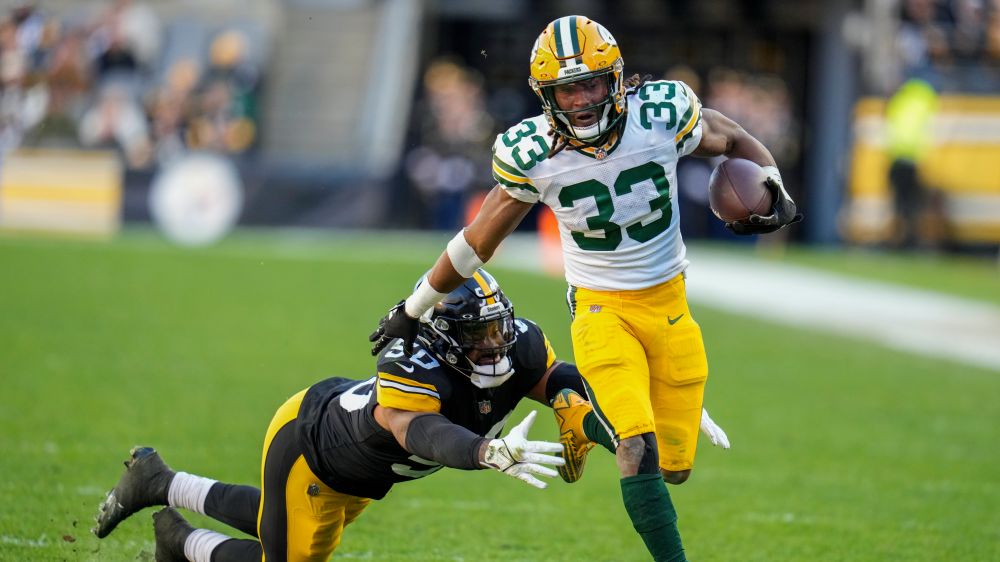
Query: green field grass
x=842 y=450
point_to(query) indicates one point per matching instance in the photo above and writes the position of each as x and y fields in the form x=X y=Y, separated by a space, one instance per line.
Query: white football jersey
x=617 y=207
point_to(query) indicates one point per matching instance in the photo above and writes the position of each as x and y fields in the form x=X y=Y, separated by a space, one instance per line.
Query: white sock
x=189 y=491
x=200 y=543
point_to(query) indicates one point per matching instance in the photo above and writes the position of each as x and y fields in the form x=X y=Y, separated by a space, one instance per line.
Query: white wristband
x=424 y=297
x=463 y=257
x=772 y=172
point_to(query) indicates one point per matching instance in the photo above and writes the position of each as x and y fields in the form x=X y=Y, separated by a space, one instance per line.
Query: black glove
x=783 y=213
x=396 y=324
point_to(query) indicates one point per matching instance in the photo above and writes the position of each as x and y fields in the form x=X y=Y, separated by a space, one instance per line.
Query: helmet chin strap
x=590 y=131
x=482 y=376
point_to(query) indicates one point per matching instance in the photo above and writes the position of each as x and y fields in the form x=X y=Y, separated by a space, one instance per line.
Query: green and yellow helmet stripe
x=567 y=39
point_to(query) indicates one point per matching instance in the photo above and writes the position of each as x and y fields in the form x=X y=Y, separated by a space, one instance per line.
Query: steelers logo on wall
x=197 y=199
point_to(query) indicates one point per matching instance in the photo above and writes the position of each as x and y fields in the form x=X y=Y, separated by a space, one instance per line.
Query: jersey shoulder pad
x=532 y=349
x=516 y=152
x=670 y=106
x=417 y=383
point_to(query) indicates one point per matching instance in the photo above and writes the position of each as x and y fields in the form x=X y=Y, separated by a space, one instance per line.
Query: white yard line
x=910 y=320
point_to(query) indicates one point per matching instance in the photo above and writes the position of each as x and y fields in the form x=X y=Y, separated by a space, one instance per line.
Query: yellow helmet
x=570 y=49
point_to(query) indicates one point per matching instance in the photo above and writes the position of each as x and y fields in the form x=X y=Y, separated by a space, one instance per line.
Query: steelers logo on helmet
x=572 y=49
x=472 y=330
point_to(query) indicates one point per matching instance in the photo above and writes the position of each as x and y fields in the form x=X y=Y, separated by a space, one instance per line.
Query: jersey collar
x=600 y=152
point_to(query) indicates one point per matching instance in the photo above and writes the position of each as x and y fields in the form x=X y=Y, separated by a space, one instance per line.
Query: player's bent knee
x=675 y=477
x=638 y=455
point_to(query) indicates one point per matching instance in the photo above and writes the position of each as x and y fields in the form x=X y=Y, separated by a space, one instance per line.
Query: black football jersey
x=347 y=449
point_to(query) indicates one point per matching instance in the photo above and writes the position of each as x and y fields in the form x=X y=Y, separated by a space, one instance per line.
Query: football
x=736 y=190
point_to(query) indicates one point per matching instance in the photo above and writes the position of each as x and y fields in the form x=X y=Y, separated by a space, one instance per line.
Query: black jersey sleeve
x=533 y=354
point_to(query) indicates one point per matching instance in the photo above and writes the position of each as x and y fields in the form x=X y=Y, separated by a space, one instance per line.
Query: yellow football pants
x=643 y=356
x=301 y=519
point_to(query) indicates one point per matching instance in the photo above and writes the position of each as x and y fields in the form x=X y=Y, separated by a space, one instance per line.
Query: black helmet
x=472 y=330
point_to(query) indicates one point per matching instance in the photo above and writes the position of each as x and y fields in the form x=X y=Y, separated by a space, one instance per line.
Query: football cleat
x=570 y=408
x=144 y=484
x=170 y=530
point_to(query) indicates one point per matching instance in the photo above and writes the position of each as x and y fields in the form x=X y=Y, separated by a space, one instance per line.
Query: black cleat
x=144 y=484
x=171 y=531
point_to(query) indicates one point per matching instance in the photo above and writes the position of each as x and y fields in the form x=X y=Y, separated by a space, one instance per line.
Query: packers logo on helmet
x=570 y=49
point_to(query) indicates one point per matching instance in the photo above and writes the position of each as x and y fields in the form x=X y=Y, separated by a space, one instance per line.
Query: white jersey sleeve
x=515 y=153
x=675 y=105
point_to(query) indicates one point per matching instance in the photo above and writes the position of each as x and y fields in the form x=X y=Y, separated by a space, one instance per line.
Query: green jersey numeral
x=532 y=154
x=601 y=221
x=655 y=109
x=606 y=207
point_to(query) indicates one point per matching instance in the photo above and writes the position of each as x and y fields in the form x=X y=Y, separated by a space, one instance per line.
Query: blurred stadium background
x=323 y=148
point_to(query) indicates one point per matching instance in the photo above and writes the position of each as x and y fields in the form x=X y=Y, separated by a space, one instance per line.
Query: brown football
x=736 y=190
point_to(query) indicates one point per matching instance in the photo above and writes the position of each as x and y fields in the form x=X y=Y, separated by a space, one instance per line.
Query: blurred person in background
x=68 y=78
x=603 y=157
x=224 y=114
x=909 y=137
x=125 y=41
x=169 y=108
x=117 y=121
x=453 y=135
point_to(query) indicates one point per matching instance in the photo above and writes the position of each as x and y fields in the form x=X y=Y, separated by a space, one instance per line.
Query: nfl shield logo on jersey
x=595 y=308
x=485 y=407
x=600 y=153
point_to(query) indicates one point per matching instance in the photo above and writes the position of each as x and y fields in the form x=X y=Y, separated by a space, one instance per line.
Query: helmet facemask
x=609 y=110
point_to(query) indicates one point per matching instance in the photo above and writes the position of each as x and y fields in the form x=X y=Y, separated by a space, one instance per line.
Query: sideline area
x=912 y=320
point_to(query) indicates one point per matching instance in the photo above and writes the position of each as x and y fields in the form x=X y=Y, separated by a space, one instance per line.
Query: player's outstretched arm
x=721 y=136
x=468 y=251
x=434 y=437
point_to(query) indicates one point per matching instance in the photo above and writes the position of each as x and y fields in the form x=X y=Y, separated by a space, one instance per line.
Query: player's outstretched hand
x=711 y=430
x=396 y=324
x=515 y=456
x=783 y=213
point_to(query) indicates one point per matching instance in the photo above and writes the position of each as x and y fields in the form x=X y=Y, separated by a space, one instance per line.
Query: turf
x=842 y=450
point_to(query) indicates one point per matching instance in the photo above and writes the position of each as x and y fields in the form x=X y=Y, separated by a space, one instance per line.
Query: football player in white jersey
x=603 y=156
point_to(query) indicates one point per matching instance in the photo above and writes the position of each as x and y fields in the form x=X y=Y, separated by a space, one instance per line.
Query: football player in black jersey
x=337 y=445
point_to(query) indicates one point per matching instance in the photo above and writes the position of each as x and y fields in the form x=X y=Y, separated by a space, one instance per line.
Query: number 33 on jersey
x=616 y=204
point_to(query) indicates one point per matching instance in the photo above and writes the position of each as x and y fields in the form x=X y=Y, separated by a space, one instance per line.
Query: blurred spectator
x=950 y=43
x=87 y=81
x=125 y=39
x=225 y=113
x=116 y=120
x=169 y=109
x=454 y=133
x=908 y=117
